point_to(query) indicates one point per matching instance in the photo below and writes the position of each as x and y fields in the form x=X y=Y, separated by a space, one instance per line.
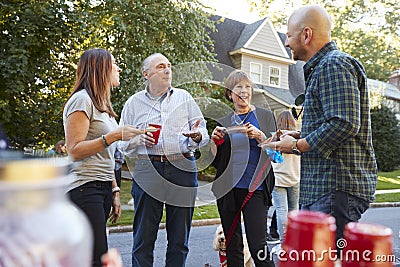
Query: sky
x=240 y=10
x=234 y=9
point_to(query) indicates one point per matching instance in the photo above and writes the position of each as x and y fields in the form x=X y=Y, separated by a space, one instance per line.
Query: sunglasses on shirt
x=298 y=101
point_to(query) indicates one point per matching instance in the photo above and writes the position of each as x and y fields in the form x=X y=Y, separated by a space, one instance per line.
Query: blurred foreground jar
x=39 y=226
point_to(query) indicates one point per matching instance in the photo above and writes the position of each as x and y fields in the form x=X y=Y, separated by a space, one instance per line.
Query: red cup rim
x=311 y=217
x=369 y=229
x=158 y=126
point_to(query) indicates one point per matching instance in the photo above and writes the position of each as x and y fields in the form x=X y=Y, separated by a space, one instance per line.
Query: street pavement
x=200 y=241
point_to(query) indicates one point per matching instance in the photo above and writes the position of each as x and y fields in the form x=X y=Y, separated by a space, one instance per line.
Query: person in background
x=59 y=150
x=338 y=166
x=91 y=132
x=119 y=160
x=287 y=178
x=272 y=234
x=240 y=162
x=165 y=173
x=4 y=142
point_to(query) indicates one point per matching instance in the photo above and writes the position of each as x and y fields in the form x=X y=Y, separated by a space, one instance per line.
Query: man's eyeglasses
x=298 y=101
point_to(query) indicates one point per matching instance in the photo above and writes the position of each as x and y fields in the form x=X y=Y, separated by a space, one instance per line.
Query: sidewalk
x=388 y=191
x=205 y=197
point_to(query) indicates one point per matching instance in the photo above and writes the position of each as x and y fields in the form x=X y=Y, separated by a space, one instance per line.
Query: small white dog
x=219 y=245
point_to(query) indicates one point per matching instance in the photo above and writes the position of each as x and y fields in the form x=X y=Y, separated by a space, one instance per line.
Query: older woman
x=242 y=166
x=91 y=133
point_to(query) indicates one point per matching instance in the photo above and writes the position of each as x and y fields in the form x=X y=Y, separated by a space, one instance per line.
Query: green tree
x=368 y=31
x=386 y=136
x=178 y=29
x=41 y=42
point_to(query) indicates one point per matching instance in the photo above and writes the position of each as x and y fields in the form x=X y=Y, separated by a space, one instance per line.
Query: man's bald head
x=315 y=17
x=309 y=29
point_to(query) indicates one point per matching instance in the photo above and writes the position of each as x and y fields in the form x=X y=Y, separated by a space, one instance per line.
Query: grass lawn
x=392 y=197
x=203 y=212
x=386 y=180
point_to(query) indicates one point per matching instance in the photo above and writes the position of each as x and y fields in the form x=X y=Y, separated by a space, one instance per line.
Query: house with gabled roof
x=258 y=49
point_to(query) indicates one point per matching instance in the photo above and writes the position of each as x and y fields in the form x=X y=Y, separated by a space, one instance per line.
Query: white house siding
x=245 y=66
x=266 y=41
x=261 y=100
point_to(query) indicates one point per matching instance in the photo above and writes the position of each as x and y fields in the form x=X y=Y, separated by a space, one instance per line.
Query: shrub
x=386 y=138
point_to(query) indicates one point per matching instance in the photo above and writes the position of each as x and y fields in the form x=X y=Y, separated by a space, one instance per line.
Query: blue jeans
x=285 y=199
x=156 y=183
x=95 y=199
x=341 y=205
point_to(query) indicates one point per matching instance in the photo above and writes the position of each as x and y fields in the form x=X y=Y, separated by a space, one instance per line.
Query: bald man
x=338 y=166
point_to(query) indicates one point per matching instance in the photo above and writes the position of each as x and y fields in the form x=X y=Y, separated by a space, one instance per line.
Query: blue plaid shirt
x=336 y=124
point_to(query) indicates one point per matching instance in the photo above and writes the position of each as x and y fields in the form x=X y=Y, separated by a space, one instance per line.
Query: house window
x=255 y=72
x=274 y=76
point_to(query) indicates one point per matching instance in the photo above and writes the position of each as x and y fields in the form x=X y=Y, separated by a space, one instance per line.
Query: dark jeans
x=254 y=223
x=95 y=199
x=273 y=228
x=150 y=191
x=341 y=205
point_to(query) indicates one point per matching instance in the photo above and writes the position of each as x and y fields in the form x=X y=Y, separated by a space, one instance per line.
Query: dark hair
x=233 y=79
x=93 y=75
x=286 y=121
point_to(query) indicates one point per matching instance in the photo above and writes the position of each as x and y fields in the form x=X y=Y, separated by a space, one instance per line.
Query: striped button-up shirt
x=337 y=125
x=176 y=111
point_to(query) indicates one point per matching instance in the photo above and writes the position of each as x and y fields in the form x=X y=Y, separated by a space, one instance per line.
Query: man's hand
x=194 y=133
x=284 y=145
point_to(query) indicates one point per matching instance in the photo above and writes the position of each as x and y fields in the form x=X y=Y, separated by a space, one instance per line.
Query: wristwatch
x=295 y=150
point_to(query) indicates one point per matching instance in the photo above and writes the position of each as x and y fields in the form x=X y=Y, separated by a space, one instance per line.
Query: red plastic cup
x=156 y=134
x=309 y=241
x=367 y=245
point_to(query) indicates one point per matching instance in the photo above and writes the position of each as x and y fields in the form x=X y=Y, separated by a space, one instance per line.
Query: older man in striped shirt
x=165 y=172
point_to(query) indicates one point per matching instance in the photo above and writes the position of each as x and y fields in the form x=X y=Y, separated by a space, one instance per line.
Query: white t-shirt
x=287 y=173
x=100 y=166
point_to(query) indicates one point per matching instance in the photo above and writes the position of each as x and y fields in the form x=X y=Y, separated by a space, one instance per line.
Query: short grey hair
x=146 y=62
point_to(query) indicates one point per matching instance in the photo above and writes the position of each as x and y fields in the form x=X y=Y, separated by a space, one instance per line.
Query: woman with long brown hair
x=91 y=132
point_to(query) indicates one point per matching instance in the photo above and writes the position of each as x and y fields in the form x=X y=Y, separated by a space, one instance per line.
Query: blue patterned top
x=245 y=154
